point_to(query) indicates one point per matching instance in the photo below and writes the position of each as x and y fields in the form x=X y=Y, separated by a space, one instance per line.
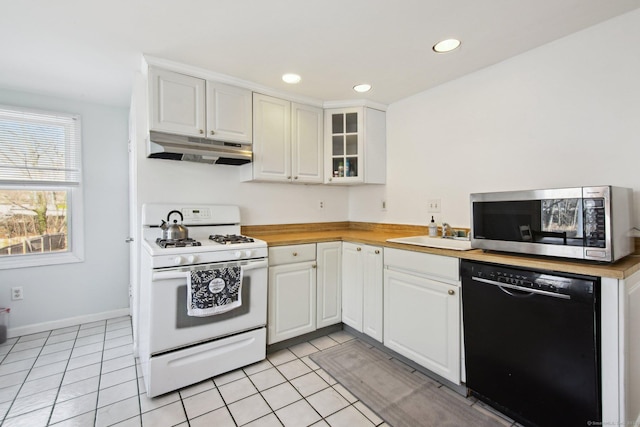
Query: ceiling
x=90 y=50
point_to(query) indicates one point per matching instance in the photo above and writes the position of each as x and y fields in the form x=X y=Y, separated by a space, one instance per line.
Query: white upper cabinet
x=306 y=143
x=355 y=146
x=187 y=105
x=229 y=113
x=287 y=144
x=272 y=138
x=177 y=103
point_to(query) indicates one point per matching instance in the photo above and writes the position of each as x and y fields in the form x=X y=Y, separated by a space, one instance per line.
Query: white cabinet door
x=355 y=146
x=287 y=142
x=352 y=285
x=177 y=103
x=362 y=283
x=372 y=291
x=272 y=138
x=329 y=280
x=306 y=143
x=229 y=113
x=292 y=301
x=422 y=322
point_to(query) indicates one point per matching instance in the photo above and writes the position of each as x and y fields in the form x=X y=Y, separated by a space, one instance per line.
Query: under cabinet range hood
x=177 y=147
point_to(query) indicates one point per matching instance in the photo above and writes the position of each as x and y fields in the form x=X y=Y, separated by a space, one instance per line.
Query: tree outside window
x=39 y=172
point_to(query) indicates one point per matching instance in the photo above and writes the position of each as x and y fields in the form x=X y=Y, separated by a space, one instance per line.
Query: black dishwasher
x=531 y=343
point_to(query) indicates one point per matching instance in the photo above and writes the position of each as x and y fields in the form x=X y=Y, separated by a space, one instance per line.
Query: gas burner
x=230 y=239
x=179 y=243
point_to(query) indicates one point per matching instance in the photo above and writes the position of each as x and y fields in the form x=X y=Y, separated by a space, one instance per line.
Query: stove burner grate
x=230 y=239
x=179 y=243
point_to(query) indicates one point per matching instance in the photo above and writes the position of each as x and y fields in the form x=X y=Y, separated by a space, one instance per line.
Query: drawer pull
x=452 y=292
x=295 y=254
x=358 y=249
x=377 y=251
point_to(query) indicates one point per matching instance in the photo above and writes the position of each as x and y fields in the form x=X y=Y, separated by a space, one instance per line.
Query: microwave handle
x=182 y=274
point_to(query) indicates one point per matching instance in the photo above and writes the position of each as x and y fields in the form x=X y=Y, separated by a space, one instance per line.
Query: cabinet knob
x=212 y=133
x=358 y=249
x=452 y=292
x=289 y=177
x=313 y=266
x=295 y=177
x=295 y=254
x=377 y=251
x=201 y=131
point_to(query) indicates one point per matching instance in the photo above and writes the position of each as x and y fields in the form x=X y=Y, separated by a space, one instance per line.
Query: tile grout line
x=55 y=402
x=13 y=401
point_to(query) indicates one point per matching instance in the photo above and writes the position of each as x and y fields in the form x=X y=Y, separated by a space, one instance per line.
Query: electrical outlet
x=383 y=205
x=16 y=293
x=320 y=204
x=434 y=205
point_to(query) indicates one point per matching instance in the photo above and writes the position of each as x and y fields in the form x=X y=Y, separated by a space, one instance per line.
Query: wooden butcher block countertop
x=377 y=234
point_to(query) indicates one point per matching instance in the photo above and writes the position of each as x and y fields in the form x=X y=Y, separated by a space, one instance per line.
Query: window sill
x=39 y=260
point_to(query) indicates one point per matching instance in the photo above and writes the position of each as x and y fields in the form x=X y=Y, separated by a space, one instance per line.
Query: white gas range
x=176 y=347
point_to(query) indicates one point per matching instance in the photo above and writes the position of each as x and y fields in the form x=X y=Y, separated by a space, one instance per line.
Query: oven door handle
x=183 y=273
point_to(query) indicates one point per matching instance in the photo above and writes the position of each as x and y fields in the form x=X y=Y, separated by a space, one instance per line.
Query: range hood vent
x=177 y=147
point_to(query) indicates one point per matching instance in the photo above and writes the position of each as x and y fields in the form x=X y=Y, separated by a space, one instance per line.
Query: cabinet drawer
x=292 y=253
x=435 y=266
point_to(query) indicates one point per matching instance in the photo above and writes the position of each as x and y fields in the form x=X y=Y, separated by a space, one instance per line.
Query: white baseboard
x=64 y=323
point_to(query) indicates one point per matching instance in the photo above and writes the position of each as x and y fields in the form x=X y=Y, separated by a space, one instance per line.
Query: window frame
x=75 y=208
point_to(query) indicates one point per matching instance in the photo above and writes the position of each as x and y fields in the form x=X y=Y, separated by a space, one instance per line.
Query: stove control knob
x=248 y=253
x=192 y=259
x=177 y=260
x=238 y=254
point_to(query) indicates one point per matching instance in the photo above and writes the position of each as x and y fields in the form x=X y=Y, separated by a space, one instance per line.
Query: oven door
x=170 y=326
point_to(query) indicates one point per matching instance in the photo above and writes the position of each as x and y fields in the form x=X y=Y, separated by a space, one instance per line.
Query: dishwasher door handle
x=529 y=291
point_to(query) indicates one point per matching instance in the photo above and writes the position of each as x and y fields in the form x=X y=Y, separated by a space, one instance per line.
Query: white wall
x=564 y=114
x=260 y=203
x=100 y=283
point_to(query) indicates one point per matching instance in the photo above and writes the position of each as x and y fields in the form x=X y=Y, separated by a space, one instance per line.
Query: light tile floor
x=87 y=375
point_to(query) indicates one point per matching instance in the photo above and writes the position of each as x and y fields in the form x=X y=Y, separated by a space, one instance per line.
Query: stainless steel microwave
x=590 y=223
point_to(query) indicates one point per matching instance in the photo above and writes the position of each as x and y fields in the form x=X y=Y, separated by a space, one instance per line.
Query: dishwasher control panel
x=551 y=282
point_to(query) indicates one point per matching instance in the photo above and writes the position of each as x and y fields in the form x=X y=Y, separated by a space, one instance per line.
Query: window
x=40 y=188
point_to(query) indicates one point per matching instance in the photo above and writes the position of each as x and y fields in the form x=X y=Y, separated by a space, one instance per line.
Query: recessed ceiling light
x=446 y=45
x=291 y=78
x=364 y=87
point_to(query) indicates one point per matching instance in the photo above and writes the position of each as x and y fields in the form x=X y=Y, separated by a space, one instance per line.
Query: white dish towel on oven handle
x=215 y=291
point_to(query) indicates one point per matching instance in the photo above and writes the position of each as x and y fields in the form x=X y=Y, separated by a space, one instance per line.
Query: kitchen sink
x=435 y=242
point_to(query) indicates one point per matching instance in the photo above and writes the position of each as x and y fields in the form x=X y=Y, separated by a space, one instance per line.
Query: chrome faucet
x=445 y=229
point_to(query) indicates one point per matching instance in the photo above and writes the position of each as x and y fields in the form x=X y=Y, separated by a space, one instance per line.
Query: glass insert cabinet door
x=345 y=130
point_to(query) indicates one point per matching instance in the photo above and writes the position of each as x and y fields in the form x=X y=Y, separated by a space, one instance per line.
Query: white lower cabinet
x=329 y=306
x=304 y=289
x=362 y=288
x=422 y=310
x=292 y=292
